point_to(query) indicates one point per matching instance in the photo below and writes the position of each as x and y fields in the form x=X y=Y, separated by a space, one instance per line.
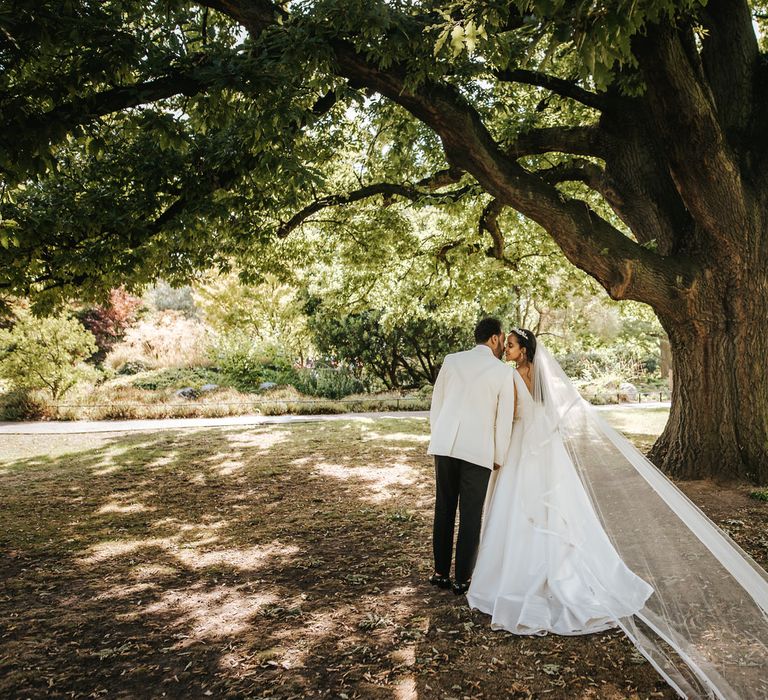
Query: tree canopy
x=167 y=137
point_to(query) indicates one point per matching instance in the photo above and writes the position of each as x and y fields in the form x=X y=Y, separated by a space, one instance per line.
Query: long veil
x=704 y=628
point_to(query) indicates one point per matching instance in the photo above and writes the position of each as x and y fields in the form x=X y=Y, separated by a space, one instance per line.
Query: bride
x=545 y=563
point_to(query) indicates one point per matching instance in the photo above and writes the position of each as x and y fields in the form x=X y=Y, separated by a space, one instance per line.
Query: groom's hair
x=486 y=328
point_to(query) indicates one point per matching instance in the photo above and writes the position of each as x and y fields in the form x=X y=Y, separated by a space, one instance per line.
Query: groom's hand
x=496 y=466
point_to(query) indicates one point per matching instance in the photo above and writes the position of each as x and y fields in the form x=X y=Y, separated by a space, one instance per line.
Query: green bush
x=247 y=363
x=133 y=367
x=177 y=378
x=21 y=404
x=281 y=408
x=328 y=382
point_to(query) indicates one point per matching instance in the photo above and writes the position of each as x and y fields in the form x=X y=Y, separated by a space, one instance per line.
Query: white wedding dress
x=545 y=563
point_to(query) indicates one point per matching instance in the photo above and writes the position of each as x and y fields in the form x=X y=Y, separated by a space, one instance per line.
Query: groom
x=473 y=405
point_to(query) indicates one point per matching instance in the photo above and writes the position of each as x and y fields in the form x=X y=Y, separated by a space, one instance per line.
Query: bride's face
x=513 y=351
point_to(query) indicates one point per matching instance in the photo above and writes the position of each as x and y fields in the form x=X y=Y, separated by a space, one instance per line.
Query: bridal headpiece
x=520 y=332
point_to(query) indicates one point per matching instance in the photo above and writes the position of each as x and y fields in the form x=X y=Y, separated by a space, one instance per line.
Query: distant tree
x=45 y=353
x=163 y=297
x=399 y=353
x=268 y=311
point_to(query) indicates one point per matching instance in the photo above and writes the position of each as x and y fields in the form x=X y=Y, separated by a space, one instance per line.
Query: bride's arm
x=517 y=406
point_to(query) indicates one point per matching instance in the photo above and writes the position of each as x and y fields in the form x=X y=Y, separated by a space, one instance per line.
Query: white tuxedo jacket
x=473 y=406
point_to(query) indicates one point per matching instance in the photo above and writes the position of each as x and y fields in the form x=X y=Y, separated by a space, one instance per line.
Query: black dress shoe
x=460 y=588
x=440 y=581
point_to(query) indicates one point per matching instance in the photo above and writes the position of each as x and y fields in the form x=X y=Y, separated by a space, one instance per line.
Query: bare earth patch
x=279 y=561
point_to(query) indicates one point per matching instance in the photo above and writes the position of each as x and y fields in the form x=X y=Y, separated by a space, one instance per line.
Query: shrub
x=177 y=378
x=247 y=363
x=133 y=367
x=328 y=382
x=46 y=353
x=23 y=404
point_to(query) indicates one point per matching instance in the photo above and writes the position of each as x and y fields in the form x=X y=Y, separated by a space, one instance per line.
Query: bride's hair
x=526 y=339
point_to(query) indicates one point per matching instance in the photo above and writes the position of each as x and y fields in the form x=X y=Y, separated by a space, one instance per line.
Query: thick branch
x=702 y=164
x=441 y=178
x=560 y=86
x=576 y=170
x=52 y=125
x=577 y=140
x=383 y=188
x=489 y=221
x=729 y=55
x=254 y=15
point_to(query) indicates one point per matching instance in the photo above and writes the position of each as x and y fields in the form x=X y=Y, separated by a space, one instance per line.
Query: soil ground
x=282 y=561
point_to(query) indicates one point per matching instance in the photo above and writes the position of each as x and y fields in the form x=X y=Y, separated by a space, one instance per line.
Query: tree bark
x=718 y=423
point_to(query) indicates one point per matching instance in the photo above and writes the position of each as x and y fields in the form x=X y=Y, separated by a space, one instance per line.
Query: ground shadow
x=279 y=561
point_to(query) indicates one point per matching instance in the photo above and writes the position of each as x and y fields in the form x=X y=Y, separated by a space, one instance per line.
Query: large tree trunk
x=718 y=424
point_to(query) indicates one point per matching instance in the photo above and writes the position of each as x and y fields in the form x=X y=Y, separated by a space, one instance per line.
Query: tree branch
x=702 y=164
x=560 y=86
x=489 y=221
x=577 y=140
x=577 y=169
x=254 y=15
x=52 y=125
x=387 y=189
x=441 y=178
x=729 y=54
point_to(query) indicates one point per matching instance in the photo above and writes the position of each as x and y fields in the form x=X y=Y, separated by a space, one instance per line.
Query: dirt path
x=284 y=561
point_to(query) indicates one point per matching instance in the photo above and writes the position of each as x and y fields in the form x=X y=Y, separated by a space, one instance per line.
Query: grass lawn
x=641 y=425
x=277 y=561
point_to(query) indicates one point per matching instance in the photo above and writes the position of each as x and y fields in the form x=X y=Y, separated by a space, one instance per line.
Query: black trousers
x=461 y=484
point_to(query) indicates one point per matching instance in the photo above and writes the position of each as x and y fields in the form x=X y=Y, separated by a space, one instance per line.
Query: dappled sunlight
x=248 y=559
x=261 y=440
x=207 y=614
x=153 y=571
x=406 y=688
x=397 y=437
x=106 y=471
x=381 y=481
x=227 y=563
x=114 y=507
x=112 y=549
x=229 y=467
x=161 y=461
x=126 y=590
x=188 y=553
